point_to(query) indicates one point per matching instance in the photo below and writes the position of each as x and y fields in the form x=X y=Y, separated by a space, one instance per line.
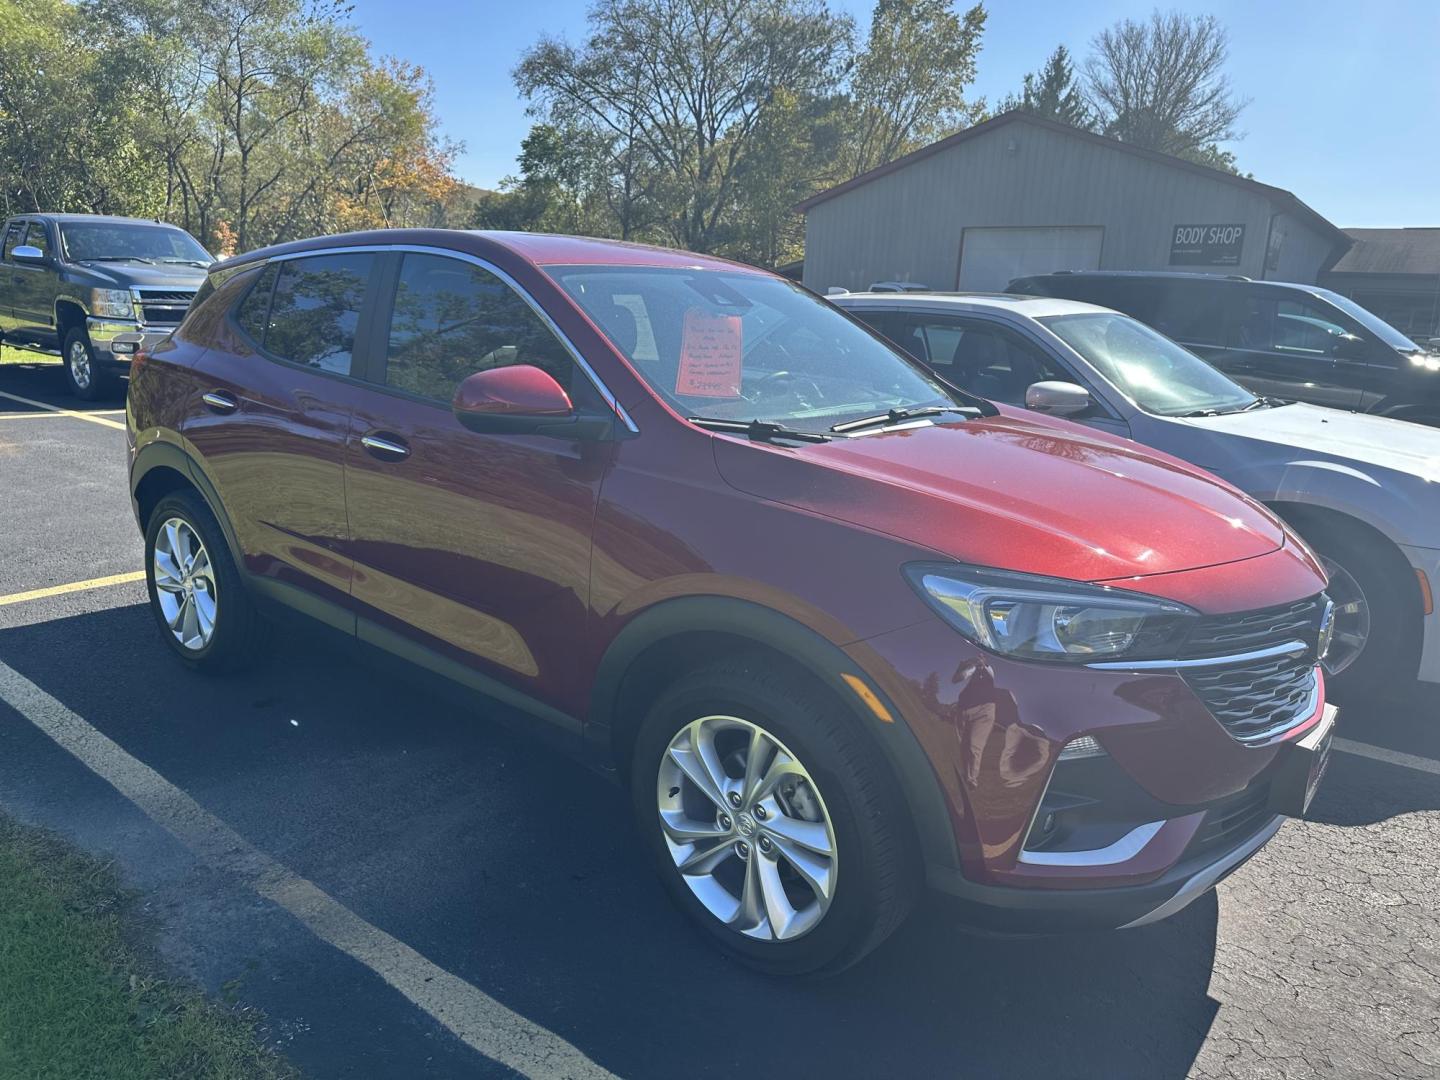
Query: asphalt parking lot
x=408 y=886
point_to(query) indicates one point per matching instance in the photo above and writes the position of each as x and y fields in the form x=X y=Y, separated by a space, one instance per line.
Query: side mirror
x=522 y=400
x=1351 y=347
x=1058 y=398
x=30 y=255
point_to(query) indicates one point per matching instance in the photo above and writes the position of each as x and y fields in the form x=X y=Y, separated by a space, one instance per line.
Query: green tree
x=681 y=89
x=908 y=87
x=67 y=118
x=1161 y=84
x=1054 y=93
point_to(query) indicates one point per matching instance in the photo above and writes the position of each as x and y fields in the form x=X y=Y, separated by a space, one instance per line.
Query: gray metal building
x=1022 y=195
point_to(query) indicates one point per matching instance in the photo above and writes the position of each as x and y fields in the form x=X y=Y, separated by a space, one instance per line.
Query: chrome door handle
x=220 y=402
x=384 y=449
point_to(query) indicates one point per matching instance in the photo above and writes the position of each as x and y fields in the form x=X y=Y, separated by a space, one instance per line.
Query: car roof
x=1033 y=307
x=1168 y=275
x=540 y=249
x=108 y=219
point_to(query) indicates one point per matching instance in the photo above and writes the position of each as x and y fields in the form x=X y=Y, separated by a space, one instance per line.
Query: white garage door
x=991 y=258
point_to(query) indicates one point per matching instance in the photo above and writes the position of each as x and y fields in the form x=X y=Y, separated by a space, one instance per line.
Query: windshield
x=1153 y=371
x=747 y=346
x=91 y=241
x=1372 y=322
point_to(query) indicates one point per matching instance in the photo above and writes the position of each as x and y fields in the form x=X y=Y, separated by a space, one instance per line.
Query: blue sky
x=1345 y=107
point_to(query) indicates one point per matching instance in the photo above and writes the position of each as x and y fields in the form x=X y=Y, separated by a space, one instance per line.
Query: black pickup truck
x=94 y=289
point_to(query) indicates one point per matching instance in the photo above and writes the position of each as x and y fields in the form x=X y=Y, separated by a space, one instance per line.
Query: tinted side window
x=316 y=310
x=253 y=313
x=37 y=237
x=1190 y=312
x=978 y=356
x=452 y=319
x=12 y=237
x=1290 y=326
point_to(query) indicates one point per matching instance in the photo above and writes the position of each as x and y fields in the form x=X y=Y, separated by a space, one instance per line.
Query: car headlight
x=111 y=304
x=1043 y=618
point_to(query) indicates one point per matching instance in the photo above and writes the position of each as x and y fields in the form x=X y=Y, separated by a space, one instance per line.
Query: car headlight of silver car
x=111 y=304
x=1042 y=618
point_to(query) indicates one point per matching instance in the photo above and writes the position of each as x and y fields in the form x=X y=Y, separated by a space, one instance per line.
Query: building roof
x=1284 y=199
x=1392 y=251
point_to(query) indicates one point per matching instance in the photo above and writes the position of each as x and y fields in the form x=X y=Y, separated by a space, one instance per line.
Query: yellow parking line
x=32 y=416
x=64 y=412
x=74 y=586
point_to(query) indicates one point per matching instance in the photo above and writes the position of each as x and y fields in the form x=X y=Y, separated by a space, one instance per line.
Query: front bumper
x=1149 y=829
x=1426 y=561
x=105 y=332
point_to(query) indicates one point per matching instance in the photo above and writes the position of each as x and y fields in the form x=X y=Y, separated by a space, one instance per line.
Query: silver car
x=1364 y=491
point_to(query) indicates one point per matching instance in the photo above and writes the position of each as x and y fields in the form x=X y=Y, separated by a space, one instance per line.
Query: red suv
x=843 y=629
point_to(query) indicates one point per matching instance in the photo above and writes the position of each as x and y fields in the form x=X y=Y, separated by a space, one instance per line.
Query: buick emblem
x=1327 y=631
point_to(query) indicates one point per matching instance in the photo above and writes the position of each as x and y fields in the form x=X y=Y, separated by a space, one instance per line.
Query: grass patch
x=77 y=999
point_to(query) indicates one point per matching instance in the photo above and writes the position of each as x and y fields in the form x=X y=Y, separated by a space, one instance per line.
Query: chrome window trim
x=1122 y=850
x=450 y=253
x=1203 y=662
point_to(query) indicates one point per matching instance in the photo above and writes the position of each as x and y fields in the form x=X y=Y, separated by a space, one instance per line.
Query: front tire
x=771 y=824
x=200 y=603
x=1373 y=645
x=82 y=373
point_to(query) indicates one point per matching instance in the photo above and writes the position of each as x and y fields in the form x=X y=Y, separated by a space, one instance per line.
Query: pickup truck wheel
x=86 y=380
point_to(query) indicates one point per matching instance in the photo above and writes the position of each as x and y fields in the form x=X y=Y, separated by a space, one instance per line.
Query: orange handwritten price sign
x=709 y=356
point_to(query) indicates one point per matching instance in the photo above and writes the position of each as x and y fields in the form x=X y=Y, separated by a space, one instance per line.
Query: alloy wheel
x=79 y=360
x=1352 y=617
x=184 y=584
x=747 y=828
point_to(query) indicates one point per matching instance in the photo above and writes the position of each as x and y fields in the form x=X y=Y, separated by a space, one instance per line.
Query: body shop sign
x=1207 y=245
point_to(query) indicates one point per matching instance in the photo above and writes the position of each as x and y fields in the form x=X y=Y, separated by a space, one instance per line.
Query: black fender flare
x=821 y=658
x=158 y=454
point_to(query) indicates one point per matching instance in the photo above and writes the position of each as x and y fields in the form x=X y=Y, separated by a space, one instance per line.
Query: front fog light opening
x=1083 y=747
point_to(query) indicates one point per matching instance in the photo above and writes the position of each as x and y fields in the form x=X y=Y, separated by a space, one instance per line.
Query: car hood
x=1399 y=445
x=1019 y=492
x=124 y=275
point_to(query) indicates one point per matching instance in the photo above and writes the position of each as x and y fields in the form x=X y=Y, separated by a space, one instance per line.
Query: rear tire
x=83 y=375
x=831 y=789
x=201 y=605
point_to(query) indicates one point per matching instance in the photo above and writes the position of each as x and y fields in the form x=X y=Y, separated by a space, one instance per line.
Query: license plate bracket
x=1301 y=768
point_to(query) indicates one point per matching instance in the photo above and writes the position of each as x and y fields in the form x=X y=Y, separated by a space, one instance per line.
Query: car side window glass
x=12 y=237
x=316 y=310
x=985 y=359
x=37 y=238
x=1289 y=326
x=452 y=319
x=1191 y=315
x=253 y=311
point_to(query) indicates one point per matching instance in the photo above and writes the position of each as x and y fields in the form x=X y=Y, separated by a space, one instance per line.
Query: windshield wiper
x=184 y=262
x=899 y=416
x=119 y=258
x=757 y=430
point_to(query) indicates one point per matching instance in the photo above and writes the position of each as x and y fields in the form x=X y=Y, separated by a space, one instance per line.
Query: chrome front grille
x=1257 y=699
x=1245 y=631
x=165 y=307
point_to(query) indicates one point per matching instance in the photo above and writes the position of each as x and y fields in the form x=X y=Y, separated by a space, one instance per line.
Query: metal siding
x=907 y=224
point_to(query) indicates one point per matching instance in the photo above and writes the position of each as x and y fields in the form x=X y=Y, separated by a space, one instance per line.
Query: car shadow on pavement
x=44 y=380
x=517 y=869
